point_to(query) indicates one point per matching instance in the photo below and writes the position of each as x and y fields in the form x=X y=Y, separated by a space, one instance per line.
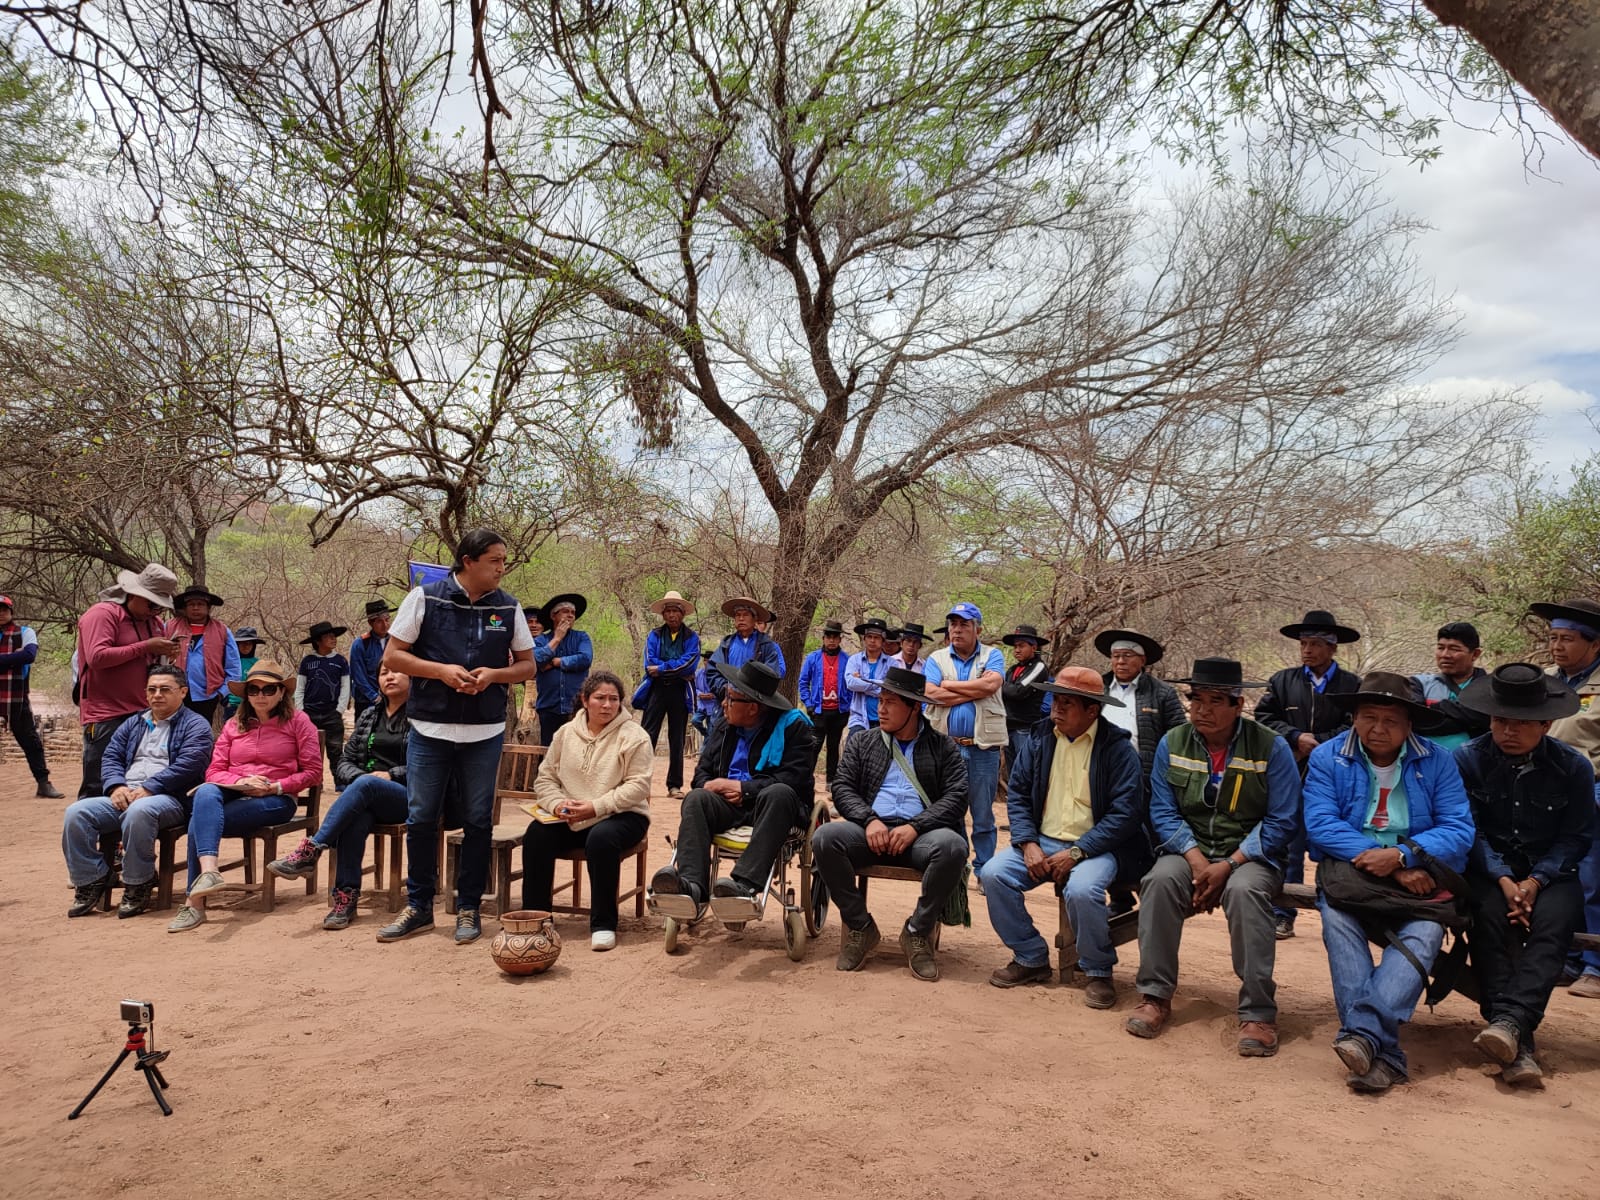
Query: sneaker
x=603 y=939
x=1587 y=986
x=1380 y=1077
x=299 y=862
x=468 y=926
x=343 y=910
x=1150 y=1018
x=1283 y=928
x=1523 y=1070
x=188 y=918
x=411 y=920
x=135 y=899
x=856 y=944
x=919 y=955
x=675 y=793
x=86 y=899
x=1499 y=1040
x=1257 y=1039
x=1015 y=974
x=208 y=882
x=1355 y=1052
x=1100 y=992
x=48 y=791
x=729 y=888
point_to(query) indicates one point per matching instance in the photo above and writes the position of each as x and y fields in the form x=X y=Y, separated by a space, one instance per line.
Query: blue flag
x=422 y=574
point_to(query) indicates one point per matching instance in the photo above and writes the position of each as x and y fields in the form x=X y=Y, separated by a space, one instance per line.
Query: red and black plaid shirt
x=13 y=679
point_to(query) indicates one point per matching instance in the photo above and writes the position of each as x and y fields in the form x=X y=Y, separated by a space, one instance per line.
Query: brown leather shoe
x=1100 y=993
x=1014 y=974
x=1587 y=986
x=1257 y=1039
x=1150 y=1018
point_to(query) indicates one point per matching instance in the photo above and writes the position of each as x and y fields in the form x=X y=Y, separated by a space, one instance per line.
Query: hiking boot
x=48 y=791
x=1100 y=992
x=468 y=926
x=1257 y=1039
x=1523 y=1071
x=206 y=883
x=1355 y=1052
x=343 y=910
x=135 y=899
x=1150 y=1018
x=87 y=897
x=1588 y=986
x=299 y=862
x=856 y=945
x=1015 y=974
x=667 y=882
x=1283 y=928
x=729 y=888
x=1380 y=1077
x=188 y=918
x=411 y=920
x=1499 y=1040
x=919 y=955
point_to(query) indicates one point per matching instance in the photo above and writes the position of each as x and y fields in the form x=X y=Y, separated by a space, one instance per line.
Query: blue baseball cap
x=969 y=612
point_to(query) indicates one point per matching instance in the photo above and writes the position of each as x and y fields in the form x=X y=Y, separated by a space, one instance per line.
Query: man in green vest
x=1225 y=806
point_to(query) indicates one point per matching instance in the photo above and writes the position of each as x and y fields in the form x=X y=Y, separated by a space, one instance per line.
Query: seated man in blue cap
x=754 y=769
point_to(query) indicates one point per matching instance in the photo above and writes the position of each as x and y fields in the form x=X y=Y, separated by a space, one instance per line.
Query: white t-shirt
x=407 y=626
x=1126 y=717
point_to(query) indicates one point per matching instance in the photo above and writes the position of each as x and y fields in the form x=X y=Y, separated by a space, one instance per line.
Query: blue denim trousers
x=466 y=772
x=91 y=822
x=1374 y=1001
x=1589 y=879
x=1006 y=881
x=220 y=812
x=367 y=802
x=983 y=781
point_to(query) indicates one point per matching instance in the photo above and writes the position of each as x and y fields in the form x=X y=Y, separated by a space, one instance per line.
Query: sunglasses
x=263 y=689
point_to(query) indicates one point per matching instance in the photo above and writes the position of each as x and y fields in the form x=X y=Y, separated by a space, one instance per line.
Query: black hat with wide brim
x=378 y=608
x=832 y=627
x=873 y=625
x=756 y=680
x=1386 y=687
x=1023 y=633
x=193 y=590
x=1153 y=650
x=1218 y=673
x=323 y=629
x=1520 y=692
x=579 y=604
x=1320 y=621
x=1584 y=612
x=908 y=685
x=910 y=629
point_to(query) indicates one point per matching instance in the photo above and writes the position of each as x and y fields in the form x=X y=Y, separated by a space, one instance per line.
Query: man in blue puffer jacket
x=1366 y=795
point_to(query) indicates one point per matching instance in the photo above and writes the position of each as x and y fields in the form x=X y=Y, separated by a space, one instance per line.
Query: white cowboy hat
x=672 y=598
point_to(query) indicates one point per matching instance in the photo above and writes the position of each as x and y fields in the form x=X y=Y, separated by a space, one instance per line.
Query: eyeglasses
x=263 y=689
x=739 y=700
x=161 y=691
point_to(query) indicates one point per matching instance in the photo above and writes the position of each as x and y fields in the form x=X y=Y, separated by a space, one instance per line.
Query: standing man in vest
x=1574 y=646
x=366 y=656
x=746 y=644
x=964 y=702
x=207 y=653
x=864 y=672
x=563 y=657
x=19 y=646
x=119 y=639
x=1225 y=805
x=1299 y=707
x=826 y=698
x=464 y=642
x=1020 y=694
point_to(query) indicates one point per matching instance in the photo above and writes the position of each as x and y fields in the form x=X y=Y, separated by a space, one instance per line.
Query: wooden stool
x=388 y=842
x=503 y=839
x=904 y=875
x=579 y=859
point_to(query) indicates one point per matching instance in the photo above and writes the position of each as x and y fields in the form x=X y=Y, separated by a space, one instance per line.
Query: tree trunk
x=1550 y=47
x=796 y=590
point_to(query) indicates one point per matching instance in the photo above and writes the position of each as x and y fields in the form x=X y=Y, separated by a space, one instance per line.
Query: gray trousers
x=1165 y=899
x=841 y=850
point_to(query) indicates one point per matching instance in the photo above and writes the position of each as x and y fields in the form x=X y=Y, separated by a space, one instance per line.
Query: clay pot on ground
x=526 y=944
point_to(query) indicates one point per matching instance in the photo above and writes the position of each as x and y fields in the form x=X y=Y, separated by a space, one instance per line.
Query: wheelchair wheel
x=794 y=933
x=670 y=941
x=813 y=900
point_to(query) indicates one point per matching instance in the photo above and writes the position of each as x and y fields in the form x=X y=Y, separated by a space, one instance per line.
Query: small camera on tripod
x=140 y=1016
x=138 y=1012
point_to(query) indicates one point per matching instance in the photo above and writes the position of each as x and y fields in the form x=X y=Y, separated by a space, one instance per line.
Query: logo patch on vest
x=495 y=622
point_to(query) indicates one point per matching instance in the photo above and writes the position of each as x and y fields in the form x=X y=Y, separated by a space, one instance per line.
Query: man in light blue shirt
x=964 y=702
x=864 y=672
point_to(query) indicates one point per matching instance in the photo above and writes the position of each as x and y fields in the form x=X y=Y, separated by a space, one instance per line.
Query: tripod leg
x=160 y=1078
x=94 y=1091
x=150 y=1077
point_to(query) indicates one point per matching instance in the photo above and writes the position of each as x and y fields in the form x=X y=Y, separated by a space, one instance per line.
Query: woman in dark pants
x=593 y=794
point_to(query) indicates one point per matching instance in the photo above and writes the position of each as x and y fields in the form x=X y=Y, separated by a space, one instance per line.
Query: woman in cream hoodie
x=593 y=794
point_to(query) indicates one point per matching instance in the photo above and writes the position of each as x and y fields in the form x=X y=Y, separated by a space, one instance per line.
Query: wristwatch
x=1075 y=854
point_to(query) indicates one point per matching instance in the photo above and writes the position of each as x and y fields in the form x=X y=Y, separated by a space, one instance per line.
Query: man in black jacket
x=1299 y=708
x=754 y=769
x=892 y=819
x=1024 y=707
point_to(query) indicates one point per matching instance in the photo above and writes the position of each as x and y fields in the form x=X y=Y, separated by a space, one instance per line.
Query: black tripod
x=148 y=1061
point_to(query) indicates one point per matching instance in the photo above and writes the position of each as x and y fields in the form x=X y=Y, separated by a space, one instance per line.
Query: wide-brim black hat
x=194 y=589
x=534 y=612
x=323 y=629
x=378 y=608
x=1521 y=692
x=246 y=634
x=911 y=629
x=1320 y=621
x=1023 y=633
x=579 y=604
x=832 y=627
x=1218 y=673
x=1153 y=650
x=872 y=624
x=1585 y=612
x=908 y=685
x=1386 y=687
x=1089 y=686
x=756 y=680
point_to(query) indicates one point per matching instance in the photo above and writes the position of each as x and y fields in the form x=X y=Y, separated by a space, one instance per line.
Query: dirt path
x=317 y=1064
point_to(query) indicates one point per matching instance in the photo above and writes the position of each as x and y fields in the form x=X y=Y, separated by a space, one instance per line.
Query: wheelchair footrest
x=735 y=909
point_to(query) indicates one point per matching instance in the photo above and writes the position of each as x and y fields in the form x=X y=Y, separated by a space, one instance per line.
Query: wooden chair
x=904 y=875
x=579 y=859
x=258 y=848
x=518 y=765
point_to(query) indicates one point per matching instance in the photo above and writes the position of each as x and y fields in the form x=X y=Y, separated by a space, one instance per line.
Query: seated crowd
x=1461 y=800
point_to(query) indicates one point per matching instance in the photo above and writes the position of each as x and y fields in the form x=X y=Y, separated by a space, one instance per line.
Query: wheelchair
x=804 y=910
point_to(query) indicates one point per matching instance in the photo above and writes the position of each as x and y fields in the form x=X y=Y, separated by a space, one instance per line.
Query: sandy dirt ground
x=312 y=1064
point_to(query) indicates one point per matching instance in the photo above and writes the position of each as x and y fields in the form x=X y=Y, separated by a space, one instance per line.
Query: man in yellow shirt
x=1077 y=821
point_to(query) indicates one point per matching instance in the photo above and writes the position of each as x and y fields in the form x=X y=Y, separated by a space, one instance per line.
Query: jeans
x=220 y=812
x=775 y=811
x=1517 y=969
x=367 y=802
x=1374 y=1001
x=1165 y=899
x=983 y=781
x=431 y=765
x=1013 y=747
x=1588 y=962
x=96 y=737
x=668 y=702
x=19 y=718
x=829 y=727
x=1295 y=872
x=603 y=845
x=89 y=824
x=842 y=851
x=1006 y=881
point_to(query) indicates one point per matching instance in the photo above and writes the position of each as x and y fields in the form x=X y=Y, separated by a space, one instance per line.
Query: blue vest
x=471 y=635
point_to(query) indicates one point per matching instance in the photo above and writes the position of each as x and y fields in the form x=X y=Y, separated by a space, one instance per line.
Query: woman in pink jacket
x=264 y=757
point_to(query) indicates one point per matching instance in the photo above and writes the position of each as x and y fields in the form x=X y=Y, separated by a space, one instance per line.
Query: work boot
x=1499 y=1040
x=1380 y=1077
x=1150 y=1018
x=667 y=882
x=48 y=790
x=729 y=888
x=856 y=944
x=1100 y=992
x=1283 y=928
x=1587 y=986
x=86 y=898
x=1523 y=1071
x=919 y=955
x=1355 y=1052
x=343 y=909
x=299 y=862
x=135 y=899
x=1015 y=974
x=410 y=921
x=1257 y=1039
